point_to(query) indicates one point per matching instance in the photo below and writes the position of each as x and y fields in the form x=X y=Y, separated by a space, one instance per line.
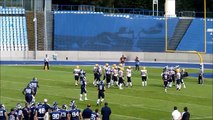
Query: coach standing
x=46 y=62
x=105 y=112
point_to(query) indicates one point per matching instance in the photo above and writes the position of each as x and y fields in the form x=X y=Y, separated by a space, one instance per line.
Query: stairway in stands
x=180 y=31
x=31 y=32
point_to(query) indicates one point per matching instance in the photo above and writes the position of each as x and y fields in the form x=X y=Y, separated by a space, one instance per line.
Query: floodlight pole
x=35 y=29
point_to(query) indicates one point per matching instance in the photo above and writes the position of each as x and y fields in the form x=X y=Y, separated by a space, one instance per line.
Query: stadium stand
x=84 y=30
x=13 y=30
x=194 y=37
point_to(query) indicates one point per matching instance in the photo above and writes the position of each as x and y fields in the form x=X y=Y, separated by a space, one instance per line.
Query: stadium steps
x=30 y=30
x=180 y=31
x=40 y=30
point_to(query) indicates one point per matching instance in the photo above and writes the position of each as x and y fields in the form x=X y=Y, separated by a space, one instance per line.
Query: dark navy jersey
x=2 y=114
x=19 y=113
x=165 y=77
x=46 y=106
x=101 y=87
x=12 y=116
x=33 y=84
x=94 y=116
x=74 y=114
x=82 y=74
x=28 y=91
x=32 y=112
x=26 y=113
x=55 y=115
x=83 y=83
x=64 y=114
x=40 y=111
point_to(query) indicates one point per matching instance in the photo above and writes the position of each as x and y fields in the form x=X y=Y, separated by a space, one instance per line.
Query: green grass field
x=136 y=103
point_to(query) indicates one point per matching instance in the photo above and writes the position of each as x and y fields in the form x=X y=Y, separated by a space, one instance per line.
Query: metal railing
x=141 y=11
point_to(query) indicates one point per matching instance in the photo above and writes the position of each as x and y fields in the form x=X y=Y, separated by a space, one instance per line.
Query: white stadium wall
x=105 y=56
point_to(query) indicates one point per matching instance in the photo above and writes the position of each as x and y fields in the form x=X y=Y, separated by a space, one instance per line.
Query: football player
x=3 y=115
x=178 y=79
x=97 y=74
x=40 y=112
x=144 y=76
x=120 y=77
x=95 y=115
x=74 y=113
x=128 y=76
x=101 y=89
x=83 y=85
x=12 y=115
x=19 y=111
x=165 y=77
x=76 y=73
x=26 y=112
x=182 y=76
x=107 y=74
x=28 y=92
x=114 y=75
x=55 y=115
x=32 y=110
x=34 y=85
x=64 y=112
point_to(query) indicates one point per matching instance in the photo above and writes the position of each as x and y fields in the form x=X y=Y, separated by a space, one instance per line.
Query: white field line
x=118 y=94
x=95 y=92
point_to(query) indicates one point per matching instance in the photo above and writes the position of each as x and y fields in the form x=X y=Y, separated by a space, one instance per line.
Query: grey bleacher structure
x=13 y=29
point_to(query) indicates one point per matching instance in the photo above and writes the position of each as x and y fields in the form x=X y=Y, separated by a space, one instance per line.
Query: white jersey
x=176 y=115
x=107 y=70
x=143 y=73
x=76 y=71
x=128 y=72
x=115 y=72
x=178 y=75
x=120 y=73
x=46 y=59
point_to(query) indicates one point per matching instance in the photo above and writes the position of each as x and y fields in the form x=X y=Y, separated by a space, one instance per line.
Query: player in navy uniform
x=32 y=111
x=19 y=111
x=3 y=113
x=55 y=115
x=101 y=89
x=26 y=110
x=83 y=85
x=76 y=73
x=34 y=85
x=64 y=112
x=12 y=115
x=97 y=74
x=40 y=112
x=165 y=77
x=28 y=92
x=74 y=113
x=95 y=115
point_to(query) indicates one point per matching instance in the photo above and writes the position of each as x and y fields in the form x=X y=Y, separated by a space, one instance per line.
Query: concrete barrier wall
x=105 y=56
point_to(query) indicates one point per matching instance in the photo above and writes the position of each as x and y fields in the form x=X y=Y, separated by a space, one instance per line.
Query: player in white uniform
x=128 y=76
x=178 y=79
x=76 y=73
x=120 y=78
x=144 y=76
